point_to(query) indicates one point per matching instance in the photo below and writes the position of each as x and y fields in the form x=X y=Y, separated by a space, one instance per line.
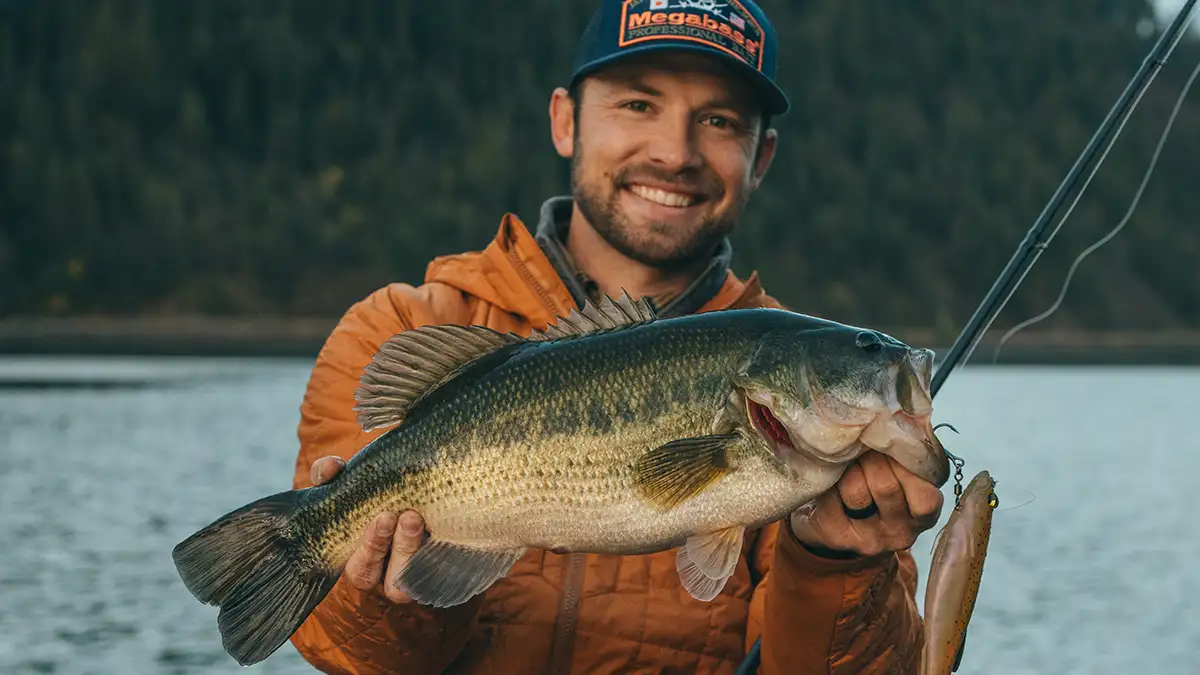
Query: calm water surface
x=108 y=463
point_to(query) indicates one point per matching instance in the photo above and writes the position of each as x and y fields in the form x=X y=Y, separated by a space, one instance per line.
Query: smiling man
x=666 y=124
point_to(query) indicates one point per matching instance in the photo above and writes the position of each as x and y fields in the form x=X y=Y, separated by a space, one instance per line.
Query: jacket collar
x=516 y=274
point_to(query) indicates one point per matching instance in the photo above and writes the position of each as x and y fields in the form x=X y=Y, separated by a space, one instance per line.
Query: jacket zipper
x=563 y=646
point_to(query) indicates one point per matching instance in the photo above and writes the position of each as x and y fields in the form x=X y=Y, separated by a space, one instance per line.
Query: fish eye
x=868 y=341
x=993 y=500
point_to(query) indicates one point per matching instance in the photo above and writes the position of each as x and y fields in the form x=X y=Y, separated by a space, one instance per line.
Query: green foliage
x=274 y=157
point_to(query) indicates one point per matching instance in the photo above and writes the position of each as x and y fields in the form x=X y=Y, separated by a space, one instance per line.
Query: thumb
x=324 y=469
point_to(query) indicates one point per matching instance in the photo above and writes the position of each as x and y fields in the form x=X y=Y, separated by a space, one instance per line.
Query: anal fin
x=706 y=561
x=443 y=574
x=677 y=471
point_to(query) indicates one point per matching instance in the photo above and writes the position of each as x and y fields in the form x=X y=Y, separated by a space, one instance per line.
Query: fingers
x=364 y=569
x=923 y=498
x=324 y=469
x=409 y=536
x=884 y=487
x=852 y=487
x=902 y=505
x=387 y=544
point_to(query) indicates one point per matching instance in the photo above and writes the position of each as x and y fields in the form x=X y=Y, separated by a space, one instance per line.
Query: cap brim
x=774 y=101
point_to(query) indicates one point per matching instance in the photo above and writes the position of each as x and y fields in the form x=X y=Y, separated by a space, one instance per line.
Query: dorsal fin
x=624 y=312
x=414 y=363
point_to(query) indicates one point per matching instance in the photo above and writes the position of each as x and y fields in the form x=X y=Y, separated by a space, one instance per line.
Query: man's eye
x=719 y=122
x=638 y=106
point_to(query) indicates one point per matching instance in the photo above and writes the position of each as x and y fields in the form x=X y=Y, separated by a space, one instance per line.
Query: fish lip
x=921 y=360
x=933 y=465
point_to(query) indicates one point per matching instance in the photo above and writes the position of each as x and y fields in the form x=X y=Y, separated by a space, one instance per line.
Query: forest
x=287 y=157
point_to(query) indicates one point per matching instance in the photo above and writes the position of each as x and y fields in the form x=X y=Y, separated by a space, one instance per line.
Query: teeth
x=662 y=196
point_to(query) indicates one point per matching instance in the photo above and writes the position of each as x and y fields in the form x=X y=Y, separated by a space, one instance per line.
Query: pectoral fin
x=707 y=561
x=677 y=471
x=442 y=574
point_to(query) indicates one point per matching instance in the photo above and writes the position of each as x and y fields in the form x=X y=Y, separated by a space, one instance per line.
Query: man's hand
x=889 y=507
x=389 y=541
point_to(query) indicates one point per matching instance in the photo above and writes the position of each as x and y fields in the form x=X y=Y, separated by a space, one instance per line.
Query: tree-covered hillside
x=276 y=157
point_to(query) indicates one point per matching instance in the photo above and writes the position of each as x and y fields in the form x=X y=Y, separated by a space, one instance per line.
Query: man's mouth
x=679 y=200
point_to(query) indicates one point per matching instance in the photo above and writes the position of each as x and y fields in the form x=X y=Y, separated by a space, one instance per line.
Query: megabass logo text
x=689 y=19
x=728 y=27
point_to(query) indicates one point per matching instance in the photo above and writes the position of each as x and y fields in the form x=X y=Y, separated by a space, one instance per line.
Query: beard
x=656 y=244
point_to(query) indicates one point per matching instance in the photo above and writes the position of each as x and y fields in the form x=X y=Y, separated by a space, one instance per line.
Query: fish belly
x=588 y=502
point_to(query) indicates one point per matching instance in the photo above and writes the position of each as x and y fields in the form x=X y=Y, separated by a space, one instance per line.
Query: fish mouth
x=831 y=432
x=785 y=439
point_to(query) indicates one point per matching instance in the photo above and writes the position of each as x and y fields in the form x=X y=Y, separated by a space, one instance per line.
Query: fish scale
x=611 y=431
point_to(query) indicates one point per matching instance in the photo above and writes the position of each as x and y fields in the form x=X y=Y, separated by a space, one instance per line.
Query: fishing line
x=1112 y=233
x=1031 y=247
x=1032 y=499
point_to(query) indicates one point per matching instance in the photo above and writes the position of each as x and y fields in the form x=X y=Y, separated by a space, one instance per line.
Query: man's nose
x=672 y=145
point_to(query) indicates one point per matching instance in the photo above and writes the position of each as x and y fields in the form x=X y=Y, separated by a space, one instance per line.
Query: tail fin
x=251 y=564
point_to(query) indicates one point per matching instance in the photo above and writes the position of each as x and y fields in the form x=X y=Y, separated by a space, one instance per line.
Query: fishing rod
x=1032 y=246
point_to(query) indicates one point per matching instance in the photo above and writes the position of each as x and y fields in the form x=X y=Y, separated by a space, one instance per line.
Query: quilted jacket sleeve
x=352 y=631
x=819 y=615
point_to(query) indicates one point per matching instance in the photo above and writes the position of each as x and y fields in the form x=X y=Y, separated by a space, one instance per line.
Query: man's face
x=665 y=154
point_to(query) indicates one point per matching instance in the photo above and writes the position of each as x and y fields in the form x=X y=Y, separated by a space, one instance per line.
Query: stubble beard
x=679 y=250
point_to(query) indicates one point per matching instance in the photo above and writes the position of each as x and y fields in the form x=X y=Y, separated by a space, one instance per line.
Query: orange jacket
x=585 y=613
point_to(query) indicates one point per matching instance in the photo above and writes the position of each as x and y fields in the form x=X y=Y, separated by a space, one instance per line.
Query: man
x=666 y=127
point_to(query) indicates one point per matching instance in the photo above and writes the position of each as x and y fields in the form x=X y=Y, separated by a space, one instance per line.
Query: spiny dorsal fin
x=414 y=363
x=610 y=314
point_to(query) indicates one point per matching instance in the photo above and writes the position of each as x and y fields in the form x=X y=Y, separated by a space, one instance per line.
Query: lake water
x=1098 y=574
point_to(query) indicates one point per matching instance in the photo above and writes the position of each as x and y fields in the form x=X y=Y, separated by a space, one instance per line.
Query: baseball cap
x=735 y=31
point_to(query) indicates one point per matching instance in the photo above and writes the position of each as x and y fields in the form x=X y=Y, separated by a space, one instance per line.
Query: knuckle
x=362 y=577
x=888 y=489
x=855 y=495
x=376 y=546
x=405 y=545
x=927 y=503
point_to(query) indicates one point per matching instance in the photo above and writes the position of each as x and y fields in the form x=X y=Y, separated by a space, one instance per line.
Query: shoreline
x=304 y=336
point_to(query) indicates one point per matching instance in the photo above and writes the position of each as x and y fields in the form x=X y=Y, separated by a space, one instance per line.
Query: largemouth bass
x=611 y=432
x=955 y=572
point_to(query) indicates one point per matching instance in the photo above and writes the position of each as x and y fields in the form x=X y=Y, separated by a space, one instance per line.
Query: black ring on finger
x=860 y=514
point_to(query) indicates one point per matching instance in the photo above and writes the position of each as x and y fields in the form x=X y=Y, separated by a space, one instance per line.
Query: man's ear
x=766 y=153
x=562 y=122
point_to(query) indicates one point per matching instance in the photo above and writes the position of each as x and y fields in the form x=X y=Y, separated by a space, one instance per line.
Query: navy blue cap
x=736 y=31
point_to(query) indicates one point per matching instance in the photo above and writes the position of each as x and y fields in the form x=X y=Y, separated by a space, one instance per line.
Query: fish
x=610 y=431
x=955 y=572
